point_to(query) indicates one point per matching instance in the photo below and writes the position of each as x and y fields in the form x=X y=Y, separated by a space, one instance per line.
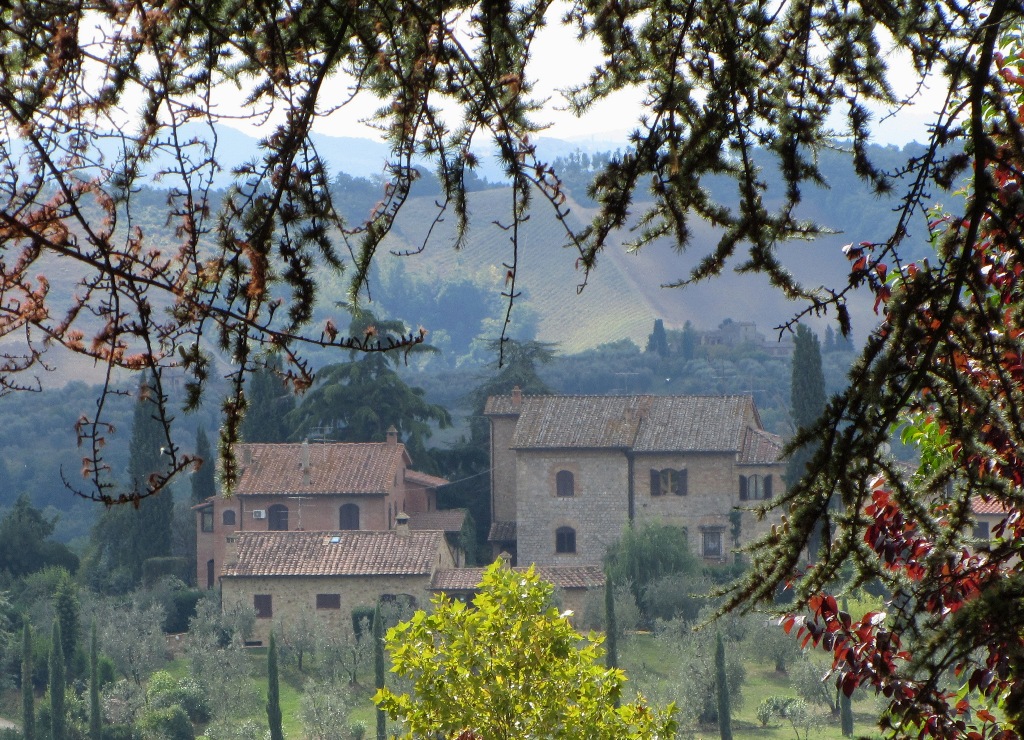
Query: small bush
x=8 y=733
x=120 y=732
x=362 y=616
x=167 y=723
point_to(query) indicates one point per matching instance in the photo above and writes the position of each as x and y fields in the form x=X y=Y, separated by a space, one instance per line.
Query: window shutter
x=655 y=482
x=767 y=486
x=682 y=490
x=743 y=488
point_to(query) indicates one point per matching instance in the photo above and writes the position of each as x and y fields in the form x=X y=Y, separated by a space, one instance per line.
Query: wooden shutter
x=655 y=482
x=767 y=486
x=681 y=489
x=743 y=488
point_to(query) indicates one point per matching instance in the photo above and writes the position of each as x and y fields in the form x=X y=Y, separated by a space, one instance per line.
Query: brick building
x=318 y=487
x=569 y=473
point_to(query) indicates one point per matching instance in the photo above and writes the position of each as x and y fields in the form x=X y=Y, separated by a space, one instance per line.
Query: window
x=981 y=531
x=277 y=518
x=755 y=487
x=348 y=517
x=565 y=483
x=711 y=543
x=328 y=601
x=668 y=481
x=264 y=606
x=565 y=540
x=206 y=520
x=228 y=517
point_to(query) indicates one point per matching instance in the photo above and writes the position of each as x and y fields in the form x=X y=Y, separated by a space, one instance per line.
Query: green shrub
x=166 y=723
x=362 y=616
x=120 y=732
x=153 y=569
x=180 y=610
x=8 y=733
x=164 y=691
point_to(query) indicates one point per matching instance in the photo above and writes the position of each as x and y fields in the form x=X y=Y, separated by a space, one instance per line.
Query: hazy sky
x=560 y=61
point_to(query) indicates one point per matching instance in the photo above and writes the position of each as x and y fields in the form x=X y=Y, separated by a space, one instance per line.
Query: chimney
x=230 y=551
x=305 y=462
x=517 y=397
x=246 y=455
x=402 y=524
x=392 y=435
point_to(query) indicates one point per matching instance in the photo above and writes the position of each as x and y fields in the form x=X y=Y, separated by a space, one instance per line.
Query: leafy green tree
x=268 y=401
x=722 y=690
x=204 y=483
x=509 y=666
x=647 y=553
x=58 y=712
x=25 y=544
x=273 y=693
x=95 y=712
x=28 y=699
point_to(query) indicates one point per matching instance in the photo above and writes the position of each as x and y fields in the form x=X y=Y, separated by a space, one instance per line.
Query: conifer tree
x=267 y=403
x=67 y=608
x=657 y=341
x=203 y=482
x=722 y=691
x=807 y=402
x=611 y=657
x=378 y=667
x=95 y=713
x=273 y=693
x=58 y=713
x=150 y=534
x=28 y=699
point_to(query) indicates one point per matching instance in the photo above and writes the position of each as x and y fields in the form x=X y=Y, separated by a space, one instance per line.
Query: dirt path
x=6 y=724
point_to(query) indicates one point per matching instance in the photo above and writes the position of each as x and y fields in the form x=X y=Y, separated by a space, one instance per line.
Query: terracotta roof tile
x=502 y=532
x=981 y=506
x=333 y=468
x=562 y=576
x=425 y=479
x=444 y=520
x=760 y=447
x=644 y=423
x=348 y=553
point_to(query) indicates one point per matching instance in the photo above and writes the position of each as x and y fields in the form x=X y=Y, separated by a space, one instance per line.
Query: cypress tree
x=28 y=698
x=378 y=667
x=807 y=402
x=722 y=691
x=95 y=716
x=267 y=403
x=150 y=531
x=657 y=341
x=611 y=657
x=203 y=484
x=67 y=607
x=273 y=693
x=58 y=718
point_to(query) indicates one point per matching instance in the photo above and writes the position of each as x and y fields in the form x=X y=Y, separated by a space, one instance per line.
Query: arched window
x=277 y=518
x=228 y=517
x=565 y=483
x=565 y=540
x=348 y=517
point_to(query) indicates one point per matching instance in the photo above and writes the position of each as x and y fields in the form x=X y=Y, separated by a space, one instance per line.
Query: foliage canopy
x=509 y=666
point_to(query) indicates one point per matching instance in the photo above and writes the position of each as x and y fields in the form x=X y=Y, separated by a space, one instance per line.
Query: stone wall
x=597 y=511
x=291 y=594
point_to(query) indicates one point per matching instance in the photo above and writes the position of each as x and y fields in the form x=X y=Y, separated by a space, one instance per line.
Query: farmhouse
x=568 y=473
x=281 y=574
x=316 y=488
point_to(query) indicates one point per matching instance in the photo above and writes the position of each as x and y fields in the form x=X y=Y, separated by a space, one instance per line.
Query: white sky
x=560 y=61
